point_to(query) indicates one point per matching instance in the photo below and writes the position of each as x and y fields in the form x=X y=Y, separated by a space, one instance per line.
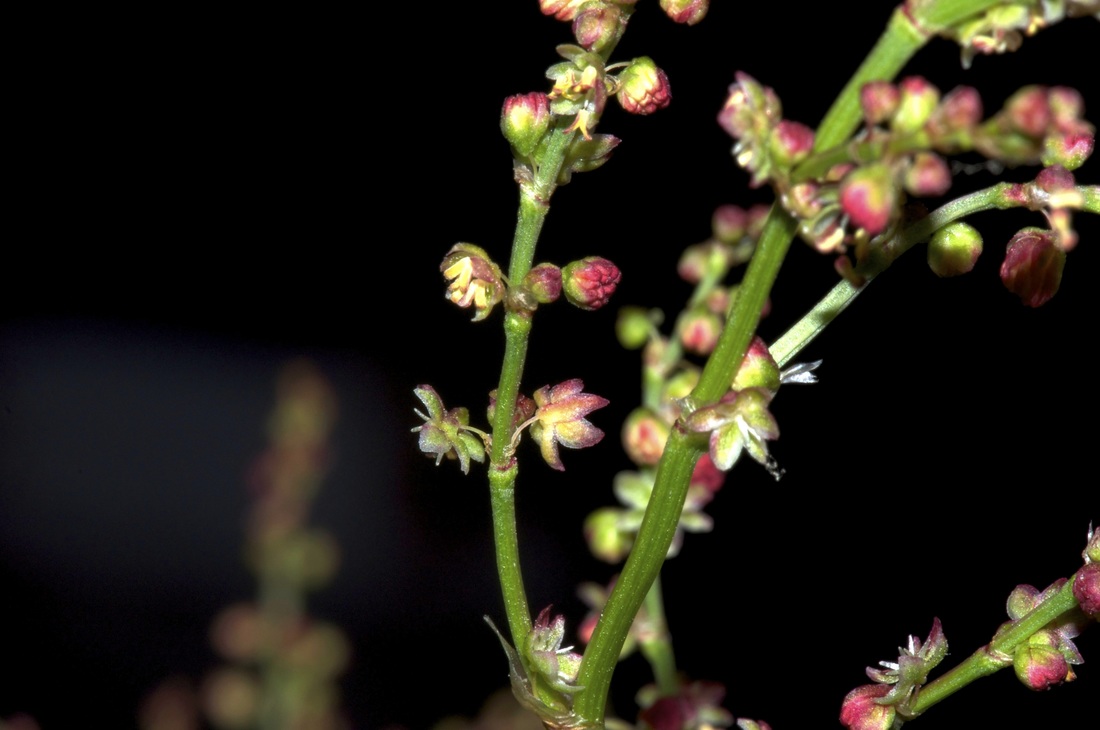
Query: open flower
x=474 y=279
x=560 y=419
x=445 y=432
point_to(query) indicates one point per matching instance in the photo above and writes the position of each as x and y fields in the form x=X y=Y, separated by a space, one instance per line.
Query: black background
x=201 y=198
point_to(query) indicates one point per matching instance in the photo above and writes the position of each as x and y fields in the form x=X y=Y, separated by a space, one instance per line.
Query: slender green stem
x=997 y=654
x=657 y=648
x=844 y=292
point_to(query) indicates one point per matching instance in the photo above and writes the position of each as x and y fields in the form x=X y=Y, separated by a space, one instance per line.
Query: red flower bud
x=643 y=87
x=644 y=437
x=879 y=100
x=960 y=109
x=1028 y=111
x=689 y=12
x=790 y=143
x=1032 y=268
x=544 y=282
x=729 y=223
x=859 y=711
x=524 y=119
x=597 y=25
x=1039 y=664
x=928 y=176
x=1086 y=589
x=590 y=282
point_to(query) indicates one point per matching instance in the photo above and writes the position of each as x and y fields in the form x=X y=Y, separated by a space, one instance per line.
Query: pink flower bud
x=790 y=143
x=868 y=196
x=597 y=25
x=960 y=109
x=524 y=120
x=928 y=176
x=1028 y=111
x=688 y=12
x=561 y=9
x=859 y=711
x=699 y=330
x=707 y=475
x=1039 y=664
x=1086 y=589
x=758 y=369
x=729 y=223
x=643 y=88
x=918 y=100
x=644 y=437
x=1032 y=268
x=544 y=283
x=879 y=100
x=954 y=249
x=1068 y=149
x=1066 y=106
x=590 y=282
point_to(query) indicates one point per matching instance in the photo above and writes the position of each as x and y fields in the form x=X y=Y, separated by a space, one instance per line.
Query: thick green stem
x=898 y=43
x=998 y=653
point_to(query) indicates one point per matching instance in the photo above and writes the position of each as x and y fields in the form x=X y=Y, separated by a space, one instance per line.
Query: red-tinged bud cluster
x=643 y=87
x=1032 y=267
x=861 y=711
x=524 y=120
x=1039 y=123
x=954 y=249
x=590 y=282
x=688 y=12
x=1086 y=589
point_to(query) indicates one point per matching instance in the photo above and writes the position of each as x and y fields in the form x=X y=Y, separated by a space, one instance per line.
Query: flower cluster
x=1047 y=657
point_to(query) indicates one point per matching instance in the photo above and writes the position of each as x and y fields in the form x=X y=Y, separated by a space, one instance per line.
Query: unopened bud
x=688 y=12
x=758 y=369
x=644 y=437
x=643 y=87
x=1068 y=149
x=859 y=711
x=960 y=109
x=632 y=327
x=590 y=282
x=561 y=9
x=606 y=541
x=544 y=283
x=1028 y=111
x=954 y=249
x=729 y=223
x=879 y=100
x=699 y=331
x=868 y=196
x=1086 y=589
x=928 y=176
x=790 y=142
x=918 y=100
x=524 y=120
x=1066 y=106
x=597 y=25
x=1039 y=664
x=1032 y=268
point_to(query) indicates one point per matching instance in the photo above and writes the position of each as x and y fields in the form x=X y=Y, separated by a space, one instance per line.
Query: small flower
x=446 y=432
x=590 y=282
x=555 y=665
x=475 y=279
x=1032 y=267
x=790 y=142
x=643 y=87
x=740 y=421
x=1045 y=659
x=909 y=673
x=560 y=419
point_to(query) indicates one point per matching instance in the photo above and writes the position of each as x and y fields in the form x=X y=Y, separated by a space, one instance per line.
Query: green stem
x=658 y=649
x=533 y=207
x=998 y=653
x=996 y=197
x=898 y=43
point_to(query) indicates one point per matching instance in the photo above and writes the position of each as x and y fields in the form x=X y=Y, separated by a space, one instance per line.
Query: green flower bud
x=954 y=249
